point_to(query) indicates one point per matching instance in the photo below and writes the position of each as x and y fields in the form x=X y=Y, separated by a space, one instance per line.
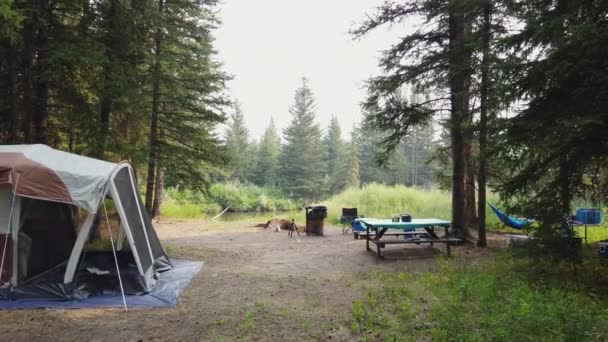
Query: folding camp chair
x=348 y=216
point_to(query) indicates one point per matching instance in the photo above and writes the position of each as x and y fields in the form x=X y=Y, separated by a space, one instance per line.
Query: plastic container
x=589 y=216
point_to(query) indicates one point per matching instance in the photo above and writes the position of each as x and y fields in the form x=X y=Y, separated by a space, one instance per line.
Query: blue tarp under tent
x=164 y=295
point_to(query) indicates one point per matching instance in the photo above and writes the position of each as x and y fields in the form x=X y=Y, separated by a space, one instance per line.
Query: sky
x=269 y=45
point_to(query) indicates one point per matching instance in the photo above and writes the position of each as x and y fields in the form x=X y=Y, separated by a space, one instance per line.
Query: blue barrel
x=588 y=216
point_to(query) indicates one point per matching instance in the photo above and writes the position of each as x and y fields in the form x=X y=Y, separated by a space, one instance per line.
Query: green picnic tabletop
x=415 y=223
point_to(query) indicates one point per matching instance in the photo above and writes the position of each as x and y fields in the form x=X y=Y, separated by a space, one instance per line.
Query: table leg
x=367 y=237
x=431 y=231
x=586 y=243
x=380 y=234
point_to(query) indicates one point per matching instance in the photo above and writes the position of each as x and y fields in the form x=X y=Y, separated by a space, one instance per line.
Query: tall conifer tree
x=238 y=146
x=267 y=157
x=335 y=155
x=303 y=156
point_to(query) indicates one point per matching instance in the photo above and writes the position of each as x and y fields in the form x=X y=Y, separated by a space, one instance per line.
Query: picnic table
x=378 y=233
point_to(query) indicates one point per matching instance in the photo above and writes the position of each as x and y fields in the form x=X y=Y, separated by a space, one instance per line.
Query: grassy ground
x=503 y=298
x=260 y=285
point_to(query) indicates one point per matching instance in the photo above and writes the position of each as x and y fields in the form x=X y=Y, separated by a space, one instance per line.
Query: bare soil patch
x=256 y=285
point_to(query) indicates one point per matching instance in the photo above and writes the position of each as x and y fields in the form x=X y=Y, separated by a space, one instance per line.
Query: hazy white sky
x=269 y=45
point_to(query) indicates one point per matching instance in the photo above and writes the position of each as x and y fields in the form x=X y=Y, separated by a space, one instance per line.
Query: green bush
x=250 y=198
x=239 y=198
x=488 y=300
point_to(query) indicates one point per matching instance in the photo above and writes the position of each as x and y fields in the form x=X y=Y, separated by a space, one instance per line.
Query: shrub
x=239 y=198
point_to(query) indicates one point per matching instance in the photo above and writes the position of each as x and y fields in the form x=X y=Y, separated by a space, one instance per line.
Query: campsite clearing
x=255 y=284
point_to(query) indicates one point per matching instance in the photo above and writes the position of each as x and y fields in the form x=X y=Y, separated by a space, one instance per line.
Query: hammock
x=510 y=221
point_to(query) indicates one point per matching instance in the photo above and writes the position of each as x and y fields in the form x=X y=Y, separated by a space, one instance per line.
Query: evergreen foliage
x=115 y=79
x=352 y=164
x=335 y=156
x=266 y=168
x=238 y=146
x=558 y=140
x=410 y=163
x=436 y=58
x=303 y=155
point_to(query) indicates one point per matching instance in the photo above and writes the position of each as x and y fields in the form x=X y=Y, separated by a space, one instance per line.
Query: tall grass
x=382 y=201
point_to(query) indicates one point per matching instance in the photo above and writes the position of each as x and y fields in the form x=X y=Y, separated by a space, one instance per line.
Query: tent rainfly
x=51 y=203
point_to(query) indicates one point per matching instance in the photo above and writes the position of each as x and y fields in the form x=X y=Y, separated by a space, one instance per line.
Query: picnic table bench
x=377 y=230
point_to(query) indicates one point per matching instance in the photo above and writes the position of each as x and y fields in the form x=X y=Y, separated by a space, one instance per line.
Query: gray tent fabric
x=46 y=249
x=83 y=177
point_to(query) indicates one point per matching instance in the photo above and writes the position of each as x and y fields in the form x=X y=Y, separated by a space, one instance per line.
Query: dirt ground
x=256 y=285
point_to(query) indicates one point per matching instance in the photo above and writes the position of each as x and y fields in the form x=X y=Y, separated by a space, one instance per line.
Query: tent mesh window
x=131 y=207
x=49 y=232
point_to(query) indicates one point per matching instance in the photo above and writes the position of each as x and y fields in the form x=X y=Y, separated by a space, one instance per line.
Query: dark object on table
x=406 y=218
x=348 y=216
x=314 y=220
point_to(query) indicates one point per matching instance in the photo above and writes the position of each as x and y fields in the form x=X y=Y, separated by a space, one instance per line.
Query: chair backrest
x=350 y=212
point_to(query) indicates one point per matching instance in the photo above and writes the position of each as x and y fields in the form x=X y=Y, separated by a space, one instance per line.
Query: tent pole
x=122 y=290
x=10 y=225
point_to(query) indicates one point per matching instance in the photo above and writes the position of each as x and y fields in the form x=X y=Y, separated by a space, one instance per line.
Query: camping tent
x=51 y=204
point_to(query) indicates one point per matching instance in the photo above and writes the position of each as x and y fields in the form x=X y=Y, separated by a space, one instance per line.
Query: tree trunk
x=12 y=95
x=154 y=143
x=41 y=113
x=107 y=96
x=483 y=124
x=159 y=191
x=104 y=115
x=29 y=52
x=565 y=196
x=471 y=204
x=459 y=88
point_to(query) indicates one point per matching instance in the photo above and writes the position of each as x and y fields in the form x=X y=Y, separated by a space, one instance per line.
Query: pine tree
x=126 y=80
x=437 y=59
x=12 y=21
x=369 y=150
x=335 y=156
x=556 y=139
x=238 y=146
x=302 y=158
x=266 y=167
x=352 y=164
x=483 y=121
